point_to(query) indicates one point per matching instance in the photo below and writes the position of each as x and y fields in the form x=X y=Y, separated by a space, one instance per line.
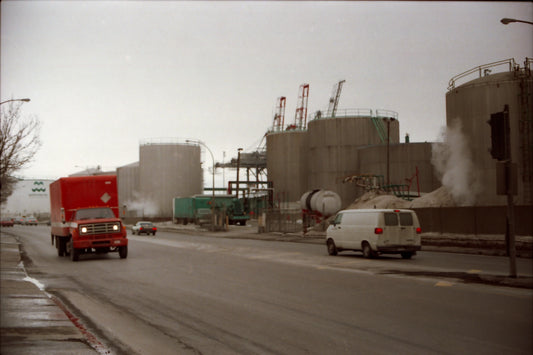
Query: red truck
x=85 y=216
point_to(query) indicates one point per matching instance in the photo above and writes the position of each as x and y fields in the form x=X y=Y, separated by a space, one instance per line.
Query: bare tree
x=19 y=141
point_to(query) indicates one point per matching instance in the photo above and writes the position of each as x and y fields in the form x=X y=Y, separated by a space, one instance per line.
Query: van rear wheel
x=406 y=254
x=367 y=251
x=332 y=248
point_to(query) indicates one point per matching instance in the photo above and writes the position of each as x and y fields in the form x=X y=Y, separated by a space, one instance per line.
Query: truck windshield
x=94 y=213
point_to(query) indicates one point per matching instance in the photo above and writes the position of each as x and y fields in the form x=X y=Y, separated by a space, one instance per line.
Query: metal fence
x=284 y=221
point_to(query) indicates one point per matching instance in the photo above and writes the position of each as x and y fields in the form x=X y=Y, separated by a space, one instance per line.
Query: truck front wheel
x=74 y=253
x=123 y=252
x=61 y=247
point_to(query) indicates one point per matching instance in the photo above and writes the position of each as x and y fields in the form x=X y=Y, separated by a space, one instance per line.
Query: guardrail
x=483 y=70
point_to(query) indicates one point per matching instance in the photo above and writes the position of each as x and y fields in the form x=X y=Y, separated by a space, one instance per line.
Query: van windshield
x=94 y=213
x=338 y=219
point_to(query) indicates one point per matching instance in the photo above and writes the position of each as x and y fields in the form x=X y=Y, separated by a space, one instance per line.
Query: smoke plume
x=143 y=208
x=452 y=160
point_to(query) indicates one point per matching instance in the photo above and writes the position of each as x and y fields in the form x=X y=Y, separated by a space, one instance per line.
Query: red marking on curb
x=91 y=339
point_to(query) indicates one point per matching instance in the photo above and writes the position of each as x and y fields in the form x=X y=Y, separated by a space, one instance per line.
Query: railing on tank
x=386 y=114
x=527 y=64
x=163 y=140
x=348 y=112
x=483 y=70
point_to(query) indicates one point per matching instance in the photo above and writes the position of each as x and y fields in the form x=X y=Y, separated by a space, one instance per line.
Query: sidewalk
x=31 y=322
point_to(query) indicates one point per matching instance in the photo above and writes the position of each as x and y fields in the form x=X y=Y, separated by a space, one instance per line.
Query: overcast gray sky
x=103 y=75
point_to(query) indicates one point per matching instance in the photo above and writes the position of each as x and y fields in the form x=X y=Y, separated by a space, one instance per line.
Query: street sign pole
x=510 y=230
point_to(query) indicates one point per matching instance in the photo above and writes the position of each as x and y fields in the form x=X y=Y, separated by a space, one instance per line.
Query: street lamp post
x=507 y=21
x=23 y=100
x=388 y=120
x=238 y=168
x=213 y=194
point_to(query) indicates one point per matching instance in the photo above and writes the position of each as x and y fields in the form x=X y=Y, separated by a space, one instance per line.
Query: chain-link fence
x=284 y=221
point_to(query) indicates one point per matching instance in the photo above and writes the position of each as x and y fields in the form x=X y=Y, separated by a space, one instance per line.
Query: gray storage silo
x=333 y=147
x=128 y=189
x=287 y=164
x=471 y=105
x=168 y=169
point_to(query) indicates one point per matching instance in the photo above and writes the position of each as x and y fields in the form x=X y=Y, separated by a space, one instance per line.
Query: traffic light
x=498 y=125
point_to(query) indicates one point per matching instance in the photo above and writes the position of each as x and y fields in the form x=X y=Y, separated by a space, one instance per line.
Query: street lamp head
x=506 y=21
x=12 y=100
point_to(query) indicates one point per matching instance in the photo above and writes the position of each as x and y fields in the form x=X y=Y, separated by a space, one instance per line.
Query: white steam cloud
x=143 y=208
x=452 y=160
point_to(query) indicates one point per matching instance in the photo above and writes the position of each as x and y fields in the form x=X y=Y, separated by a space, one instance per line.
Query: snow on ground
x=376 y=199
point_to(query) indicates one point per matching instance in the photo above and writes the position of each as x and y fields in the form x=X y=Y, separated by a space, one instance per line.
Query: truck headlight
x=83 y=230
x=116 y=227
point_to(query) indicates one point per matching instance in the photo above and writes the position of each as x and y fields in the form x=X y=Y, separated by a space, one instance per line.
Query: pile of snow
x=376 y=199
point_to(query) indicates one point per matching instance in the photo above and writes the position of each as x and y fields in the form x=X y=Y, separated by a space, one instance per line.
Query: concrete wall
x=472 y=104
x=167 y=171
x=474 y=220
x=287 y=164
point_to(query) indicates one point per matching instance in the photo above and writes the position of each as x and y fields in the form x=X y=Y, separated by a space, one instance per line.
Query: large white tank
x=167 y=169
x=287 y=163
x=468 y=108
x=326 y=202
x=334 y=147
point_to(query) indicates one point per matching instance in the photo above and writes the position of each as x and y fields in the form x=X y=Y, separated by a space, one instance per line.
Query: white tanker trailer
x=318 y=205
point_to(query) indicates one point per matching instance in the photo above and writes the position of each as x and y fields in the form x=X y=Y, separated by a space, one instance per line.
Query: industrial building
x=167 y=168
x=30 y=197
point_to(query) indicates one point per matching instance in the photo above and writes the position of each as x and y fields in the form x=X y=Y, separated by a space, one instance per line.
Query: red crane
x=279 y=116
x=300 y=119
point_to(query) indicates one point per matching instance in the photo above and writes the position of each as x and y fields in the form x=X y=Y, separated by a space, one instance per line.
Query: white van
x=375 y=231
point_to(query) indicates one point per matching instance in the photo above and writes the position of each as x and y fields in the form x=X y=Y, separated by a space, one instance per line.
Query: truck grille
x=100 y=228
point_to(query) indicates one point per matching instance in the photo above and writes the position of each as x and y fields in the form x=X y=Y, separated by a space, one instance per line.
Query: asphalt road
x=179 y=294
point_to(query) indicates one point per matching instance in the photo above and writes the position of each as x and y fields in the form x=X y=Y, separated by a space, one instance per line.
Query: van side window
x=391 y=219
x=406 y=219
x=338 y=219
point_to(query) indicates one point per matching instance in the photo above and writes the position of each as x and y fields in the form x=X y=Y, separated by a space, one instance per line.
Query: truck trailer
x=84 y=216
x=197 y=209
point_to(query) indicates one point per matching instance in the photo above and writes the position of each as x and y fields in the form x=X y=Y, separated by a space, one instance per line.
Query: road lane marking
x=444 y=284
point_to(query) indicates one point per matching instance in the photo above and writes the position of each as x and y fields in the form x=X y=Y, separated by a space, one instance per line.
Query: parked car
x=19 y=220
x=7 y=222
x=30 y=221
x=374 y=232
x=144 y=227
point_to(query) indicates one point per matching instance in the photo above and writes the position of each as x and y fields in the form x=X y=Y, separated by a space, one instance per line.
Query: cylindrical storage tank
x=333 y=149
x=324 y=201
x=287 y=164
x=128 y=189
x=168 y=170
x=468 y=108
x=405 y=160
